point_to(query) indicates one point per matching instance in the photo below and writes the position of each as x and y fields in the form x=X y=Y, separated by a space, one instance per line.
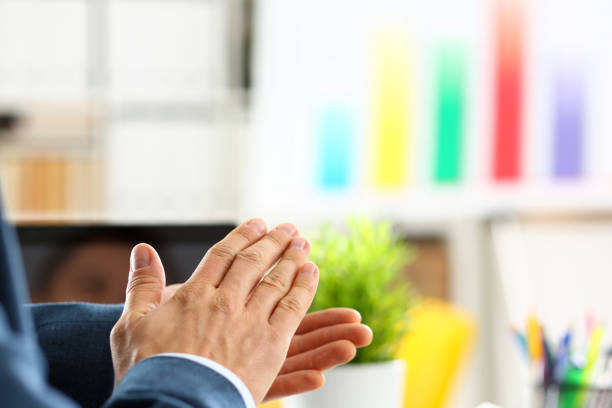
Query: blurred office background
x=481 y=128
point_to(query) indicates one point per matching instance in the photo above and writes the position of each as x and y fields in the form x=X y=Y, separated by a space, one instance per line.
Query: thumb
x=146 y=281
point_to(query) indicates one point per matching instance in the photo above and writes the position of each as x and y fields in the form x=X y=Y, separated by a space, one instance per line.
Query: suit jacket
x=75 y=338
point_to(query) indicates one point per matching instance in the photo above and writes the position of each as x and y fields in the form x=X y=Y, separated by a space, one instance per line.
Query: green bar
x=450 y=99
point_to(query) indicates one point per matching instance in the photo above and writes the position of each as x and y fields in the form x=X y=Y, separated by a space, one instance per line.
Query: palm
x=324 y=340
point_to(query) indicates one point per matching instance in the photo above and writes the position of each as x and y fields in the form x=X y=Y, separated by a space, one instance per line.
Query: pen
x=521 y=341
x=577 y=378
x=562 y=359
x=534 y=339
x=592 y=354
x=548 y=360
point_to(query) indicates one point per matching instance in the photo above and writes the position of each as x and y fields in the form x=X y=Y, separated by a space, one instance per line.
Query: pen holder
x=571 y=396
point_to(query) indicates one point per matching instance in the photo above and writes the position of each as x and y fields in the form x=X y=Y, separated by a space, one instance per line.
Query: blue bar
x=335 y=156
x=569 y=126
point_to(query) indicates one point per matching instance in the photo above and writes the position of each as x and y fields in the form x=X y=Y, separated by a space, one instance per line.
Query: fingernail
x=288 y=229
x=140 y=257
x=309 y=269
x=299 y=243
x=369 y=328
x=258 y=225
x=357 y=313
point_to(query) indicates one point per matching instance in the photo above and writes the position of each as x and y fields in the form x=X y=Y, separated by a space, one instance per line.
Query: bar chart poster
x=497 y=105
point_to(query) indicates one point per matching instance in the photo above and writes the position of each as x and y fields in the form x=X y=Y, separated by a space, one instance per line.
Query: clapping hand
x=230 y=313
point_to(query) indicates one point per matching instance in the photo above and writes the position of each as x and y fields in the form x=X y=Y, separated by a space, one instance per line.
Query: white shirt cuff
x=249 y=402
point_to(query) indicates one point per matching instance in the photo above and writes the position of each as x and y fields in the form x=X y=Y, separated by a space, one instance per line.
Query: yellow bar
x=392 y=113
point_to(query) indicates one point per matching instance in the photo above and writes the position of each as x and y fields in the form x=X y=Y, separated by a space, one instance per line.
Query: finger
x=322 y=358
x=251 y=263
x=358 y=334
x=295 y=383
x=291 y=309
x=328 y=317
x=145 y=282
x=218 y=259
x=278 y=282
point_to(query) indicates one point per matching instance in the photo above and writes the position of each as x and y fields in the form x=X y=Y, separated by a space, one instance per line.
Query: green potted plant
x=361 y=267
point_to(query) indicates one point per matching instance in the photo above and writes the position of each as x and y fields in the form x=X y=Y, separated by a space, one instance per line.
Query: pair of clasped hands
x=257 y=328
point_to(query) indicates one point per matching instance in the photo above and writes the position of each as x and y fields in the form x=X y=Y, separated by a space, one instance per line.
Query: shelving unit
x=94 y=81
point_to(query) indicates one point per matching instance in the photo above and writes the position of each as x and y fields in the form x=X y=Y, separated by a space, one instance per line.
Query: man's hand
x=324 y=340
x=225 y=311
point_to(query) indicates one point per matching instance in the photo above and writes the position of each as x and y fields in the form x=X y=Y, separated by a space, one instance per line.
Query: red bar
x=508 y=93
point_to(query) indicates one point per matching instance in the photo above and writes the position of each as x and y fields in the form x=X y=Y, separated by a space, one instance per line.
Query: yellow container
x=434 y=349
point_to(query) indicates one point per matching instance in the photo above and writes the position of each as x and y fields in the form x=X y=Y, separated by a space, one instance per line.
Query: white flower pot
x=357 y=386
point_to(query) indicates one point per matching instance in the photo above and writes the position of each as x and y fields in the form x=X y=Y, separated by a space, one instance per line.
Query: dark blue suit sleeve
x=75 y=340
x=155 y=382
x=164 y=381
x=22 y=380
x=22 y=368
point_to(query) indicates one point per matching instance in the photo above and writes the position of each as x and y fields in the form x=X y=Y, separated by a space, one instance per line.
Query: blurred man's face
x=95 y=272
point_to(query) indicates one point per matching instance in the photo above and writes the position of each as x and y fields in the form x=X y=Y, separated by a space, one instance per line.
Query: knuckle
x=191 y=293
x=184 y=296
x=291 y=305
x=245 y=232
x=223 y=303
x=143 y=281
x=274 y=282
x=252 y=256
x=291 y=262
x=277 y=240
x=223 y=251
x=306 y=287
